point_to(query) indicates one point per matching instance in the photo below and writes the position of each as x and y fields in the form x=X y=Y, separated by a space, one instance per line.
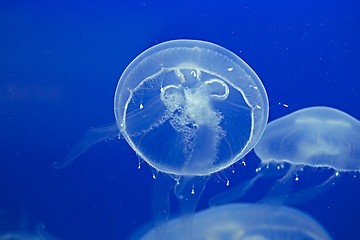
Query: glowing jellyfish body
x=316 y=136
x=186 y=107
x=247 y=221
x=190 y=108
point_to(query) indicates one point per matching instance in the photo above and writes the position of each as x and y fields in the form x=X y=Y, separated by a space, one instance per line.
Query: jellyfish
x=315 y=138
x=188 y=108
x=247 y=221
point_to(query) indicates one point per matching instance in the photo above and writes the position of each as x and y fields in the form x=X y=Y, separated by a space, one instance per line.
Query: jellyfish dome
x=248 y=222
x=315 y=136
x=190 y=108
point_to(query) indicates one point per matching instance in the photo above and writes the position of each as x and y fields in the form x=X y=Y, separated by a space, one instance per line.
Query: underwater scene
x=179 y=120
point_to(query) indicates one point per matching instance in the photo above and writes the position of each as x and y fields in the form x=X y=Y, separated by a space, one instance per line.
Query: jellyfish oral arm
x=187 y=190
x=93 y=136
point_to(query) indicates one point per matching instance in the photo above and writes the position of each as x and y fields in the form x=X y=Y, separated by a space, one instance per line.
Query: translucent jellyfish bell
x=190 y=108
x=316 y=136
x=247 y=221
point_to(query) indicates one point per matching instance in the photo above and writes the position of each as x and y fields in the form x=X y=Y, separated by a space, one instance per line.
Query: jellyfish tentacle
x=233 y=194
x=306 y=195
x=239 y=191
x=189 y=190
x=161 y=203
x=92 y=136
x=279 y=192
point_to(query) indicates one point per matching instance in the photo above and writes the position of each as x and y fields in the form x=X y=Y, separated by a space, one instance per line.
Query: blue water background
x=59 y=65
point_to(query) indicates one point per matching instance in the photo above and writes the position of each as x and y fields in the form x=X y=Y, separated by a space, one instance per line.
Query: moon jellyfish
x=318 y=137
x=315 y=137
x=247 y=221
x=188 y=108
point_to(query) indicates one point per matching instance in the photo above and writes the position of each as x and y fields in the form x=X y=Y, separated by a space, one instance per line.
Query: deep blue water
x=59 y=65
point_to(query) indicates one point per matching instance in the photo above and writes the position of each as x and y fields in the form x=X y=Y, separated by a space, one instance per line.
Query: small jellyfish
x=247 y=221
x=315 y=137
x=188 y=108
